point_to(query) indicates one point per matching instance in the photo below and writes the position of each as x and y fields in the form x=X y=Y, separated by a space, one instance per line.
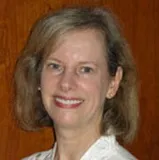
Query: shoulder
x=107 y=148
x=40 y=155
x=120 y=153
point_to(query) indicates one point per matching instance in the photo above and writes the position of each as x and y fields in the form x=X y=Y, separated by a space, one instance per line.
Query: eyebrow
x=81 y=62
x=53 y=59
x=89 y=62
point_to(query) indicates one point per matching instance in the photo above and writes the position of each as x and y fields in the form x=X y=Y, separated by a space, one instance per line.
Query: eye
x=86 y=69
x=55 y=66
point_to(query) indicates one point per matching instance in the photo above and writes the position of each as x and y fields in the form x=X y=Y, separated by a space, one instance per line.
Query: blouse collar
x=101 y=146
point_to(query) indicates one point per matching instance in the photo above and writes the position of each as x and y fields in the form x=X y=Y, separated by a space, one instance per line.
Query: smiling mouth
x=63 y=102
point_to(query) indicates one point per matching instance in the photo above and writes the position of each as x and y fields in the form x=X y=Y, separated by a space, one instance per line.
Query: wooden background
x=140 y=23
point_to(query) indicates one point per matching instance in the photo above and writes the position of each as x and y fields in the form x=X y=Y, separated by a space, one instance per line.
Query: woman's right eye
x=55 y=66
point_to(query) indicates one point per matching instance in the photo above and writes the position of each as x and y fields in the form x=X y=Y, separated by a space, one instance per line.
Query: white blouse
x=105 y=148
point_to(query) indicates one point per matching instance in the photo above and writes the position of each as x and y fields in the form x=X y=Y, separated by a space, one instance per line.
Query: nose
x=67 y=81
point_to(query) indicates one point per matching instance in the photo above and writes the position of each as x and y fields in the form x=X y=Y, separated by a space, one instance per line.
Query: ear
x=114 y=83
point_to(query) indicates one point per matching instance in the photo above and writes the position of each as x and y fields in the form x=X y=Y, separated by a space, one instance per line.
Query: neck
x=73 y=143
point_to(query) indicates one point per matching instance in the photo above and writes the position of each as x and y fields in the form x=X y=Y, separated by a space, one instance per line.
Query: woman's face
x=75 y=80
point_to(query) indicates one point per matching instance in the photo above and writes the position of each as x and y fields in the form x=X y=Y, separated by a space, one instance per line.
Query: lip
x=67 y=102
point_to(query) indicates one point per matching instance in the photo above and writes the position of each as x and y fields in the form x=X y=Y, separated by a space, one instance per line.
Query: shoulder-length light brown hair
x=120 y=113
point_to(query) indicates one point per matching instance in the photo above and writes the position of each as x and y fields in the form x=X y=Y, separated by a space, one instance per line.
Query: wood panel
x=140 y=23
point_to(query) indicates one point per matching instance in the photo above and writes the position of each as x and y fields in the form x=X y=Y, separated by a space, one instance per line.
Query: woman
x=76 y=75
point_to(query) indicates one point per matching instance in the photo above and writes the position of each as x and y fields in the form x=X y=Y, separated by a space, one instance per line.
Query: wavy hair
x=120 y=113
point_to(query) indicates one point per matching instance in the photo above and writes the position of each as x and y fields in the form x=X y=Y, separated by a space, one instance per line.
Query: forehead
x=91 y=40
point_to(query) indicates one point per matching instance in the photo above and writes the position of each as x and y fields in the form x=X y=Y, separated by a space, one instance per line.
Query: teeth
x=68 y=102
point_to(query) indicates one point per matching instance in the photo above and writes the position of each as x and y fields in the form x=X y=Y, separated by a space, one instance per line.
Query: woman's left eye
x=86 y=69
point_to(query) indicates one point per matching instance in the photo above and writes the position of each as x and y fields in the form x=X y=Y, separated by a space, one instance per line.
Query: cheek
x=44 y=79
x=47 y=81
x=95 y=87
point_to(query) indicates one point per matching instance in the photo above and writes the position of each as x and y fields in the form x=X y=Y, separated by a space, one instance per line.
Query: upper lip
x=68 y=98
